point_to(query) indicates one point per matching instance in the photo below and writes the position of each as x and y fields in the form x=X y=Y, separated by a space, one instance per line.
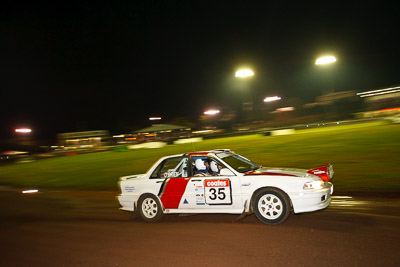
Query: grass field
x=366 y=157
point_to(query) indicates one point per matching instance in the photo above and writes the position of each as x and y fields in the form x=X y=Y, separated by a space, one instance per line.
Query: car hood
x=279 y=172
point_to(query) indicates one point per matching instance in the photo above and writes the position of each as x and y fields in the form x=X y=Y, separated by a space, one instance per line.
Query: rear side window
x=171 y=168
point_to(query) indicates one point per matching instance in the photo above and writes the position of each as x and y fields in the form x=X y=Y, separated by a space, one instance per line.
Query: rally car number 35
x=221 y=181
x=218 y=192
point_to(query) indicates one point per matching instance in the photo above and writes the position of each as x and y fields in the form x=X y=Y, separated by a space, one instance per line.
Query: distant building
x=383 y=98
x=329 y=98
x=84 y=140
x=163 y=132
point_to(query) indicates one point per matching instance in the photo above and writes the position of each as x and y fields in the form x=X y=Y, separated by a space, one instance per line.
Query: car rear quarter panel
x=132 y=189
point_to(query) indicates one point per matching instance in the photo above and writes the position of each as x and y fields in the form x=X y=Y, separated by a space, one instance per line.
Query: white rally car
x=221 y=181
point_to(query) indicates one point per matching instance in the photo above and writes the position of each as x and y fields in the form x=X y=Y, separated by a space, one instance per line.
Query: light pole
x=326 y=61
x=210 y=117
x=244 y=74
x=23 y=135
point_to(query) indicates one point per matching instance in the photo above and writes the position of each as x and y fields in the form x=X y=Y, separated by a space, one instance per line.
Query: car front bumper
x=308 y=201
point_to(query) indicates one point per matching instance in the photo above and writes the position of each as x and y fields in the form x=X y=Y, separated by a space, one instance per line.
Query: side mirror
x=226 y=172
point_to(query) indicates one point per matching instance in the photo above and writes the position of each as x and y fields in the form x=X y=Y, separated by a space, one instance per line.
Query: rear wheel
x=150 y=208
x=271 y=206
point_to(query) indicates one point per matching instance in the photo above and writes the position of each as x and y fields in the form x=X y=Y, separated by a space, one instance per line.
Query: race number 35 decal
x=218 y=191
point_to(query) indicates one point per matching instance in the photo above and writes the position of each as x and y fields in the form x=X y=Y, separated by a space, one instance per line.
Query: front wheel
x=150 y=208
x=271 y=206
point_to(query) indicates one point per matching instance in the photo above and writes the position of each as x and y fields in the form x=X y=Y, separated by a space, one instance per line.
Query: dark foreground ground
x=78 y=228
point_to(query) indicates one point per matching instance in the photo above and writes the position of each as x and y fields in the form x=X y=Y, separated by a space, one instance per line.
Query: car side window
x=171 y=168
x=206 y=166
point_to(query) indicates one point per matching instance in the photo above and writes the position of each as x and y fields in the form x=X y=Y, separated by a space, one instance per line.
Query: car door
x=172 y=173
x=212 y=191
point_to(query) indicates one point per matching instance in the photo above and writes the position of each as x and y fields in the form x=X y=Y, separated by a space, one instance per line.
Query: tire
x=271 y=206
x=150 y=208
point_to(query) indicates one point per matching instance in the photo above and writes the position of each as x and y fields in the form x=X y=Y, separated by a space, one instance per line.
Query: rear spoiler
x=324 y=171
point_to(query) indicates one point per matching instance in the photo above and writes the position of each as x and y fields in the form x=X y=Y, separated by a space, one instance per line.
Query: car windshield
x=239 y=163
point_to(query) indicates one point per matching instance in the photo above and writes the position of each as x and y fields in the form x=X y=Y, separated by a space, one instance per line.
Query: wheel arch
x=251 y=202
x=149 y=211
x=143 y=195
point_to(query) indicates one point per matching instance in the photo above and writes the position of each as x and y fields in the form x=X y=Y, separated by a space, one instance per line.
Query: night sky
x=69 y=66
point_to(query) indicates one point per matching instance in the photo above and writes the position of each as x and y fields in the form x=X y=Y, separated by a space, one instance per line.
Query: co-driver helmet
x=199 y=163
x=214 y=166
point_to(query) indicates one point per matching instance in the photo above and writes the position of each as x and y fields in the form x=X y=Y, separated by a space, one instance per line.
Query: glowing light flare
x=202 y=131
x=30 y=191
x=389 y=109
x=272 y=98
x=325 y=60
x=243 y=73
x=211 y=112
x=284 y=109
x=384 y=91
x=23 y=130
x=155 y=118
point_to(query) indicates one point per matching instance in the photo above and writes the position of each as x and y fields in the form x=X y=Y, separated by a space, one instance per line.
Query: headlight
x=314 y=185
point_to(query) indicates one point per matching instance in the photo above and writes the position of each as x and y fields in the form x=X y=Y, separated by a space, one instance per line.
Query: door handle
x=196 y=180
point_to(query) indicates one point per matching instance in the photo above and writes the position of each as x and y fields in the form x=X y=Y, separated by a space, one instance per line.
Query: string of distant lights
x=385 y=91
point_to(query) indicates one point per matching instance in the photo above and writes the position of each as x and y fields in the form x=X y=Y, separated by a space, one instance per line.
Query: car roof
x=203 y=153
x=200 y=153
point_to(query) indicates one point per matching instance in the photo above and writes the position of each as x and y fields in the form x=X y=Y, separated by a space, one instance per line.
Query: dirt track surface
x=77 y=228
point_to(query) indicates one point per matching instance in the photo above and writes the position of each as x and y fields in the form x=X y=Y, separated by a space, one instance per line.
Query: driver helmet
x=214 y=166
x=199 y=163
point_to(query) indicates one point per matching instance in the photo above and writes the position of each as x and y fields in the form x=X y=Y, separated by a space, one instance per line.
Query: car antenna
x=193 y=147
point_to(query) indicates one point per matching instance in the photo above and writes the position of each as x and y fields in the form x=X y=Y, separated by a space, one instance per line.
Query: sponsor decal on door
x=218 y=191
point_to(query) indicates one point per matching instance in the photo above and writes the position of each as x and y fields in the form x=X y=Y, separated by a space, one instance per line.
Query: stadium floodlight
x=211 y=112
x=30 y=191
x=272 y=98
x=244 y=73
x=325 y=60
x=23 y=130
